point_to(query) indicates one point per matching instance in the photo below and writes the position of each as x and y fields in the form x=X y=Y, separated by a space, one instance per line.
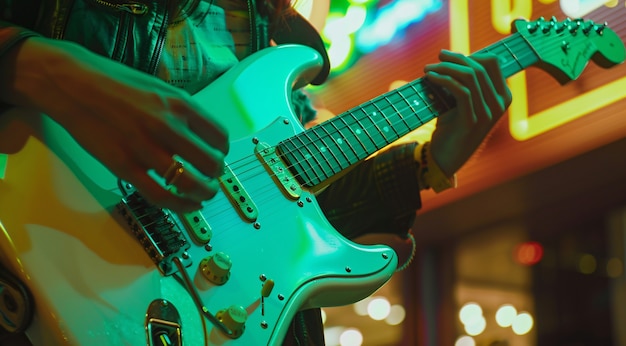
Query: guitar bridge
x=156 y=231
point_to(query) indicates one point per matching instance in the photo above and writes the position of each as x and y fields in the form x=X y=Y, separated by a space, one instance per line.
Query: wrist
x=429 y=174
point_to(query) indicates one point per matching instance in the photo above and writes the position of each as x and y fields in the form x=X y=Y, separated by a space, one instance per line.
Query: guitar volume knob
x=216 y=268
x=234 y=319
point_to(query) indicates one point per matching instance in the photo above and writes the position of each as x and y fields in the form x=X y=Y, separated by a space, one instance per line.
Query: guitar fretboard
x=327 y=149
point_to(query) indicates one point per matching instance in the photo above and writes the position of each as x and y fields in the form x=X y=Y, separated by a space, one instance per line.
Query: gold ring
x=173 y=172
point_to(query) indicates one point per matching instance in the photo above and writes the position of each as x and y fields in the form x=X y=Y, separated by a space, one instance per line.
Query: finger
x=492 y=66
x=497 y=97
x=124 y=164
x=188 y=182
x=208 y=129
x=158 y=195
x=460 y=68
x=180 y=140
x=459 y=92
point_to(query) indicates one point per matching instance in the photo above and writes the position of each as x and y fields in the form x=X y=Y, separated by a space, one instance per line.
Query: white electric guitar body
x=94 y=282
x=106 y=268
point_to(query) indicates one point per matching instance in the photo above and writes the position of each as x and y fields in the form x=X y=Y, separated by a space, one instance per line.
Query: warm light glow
x=476 y=326
x=360 y=307
x=587 y=264
x=522 y=125
x=506 y=315
x=396 y=315
x=580 y=8
x=465 y=341
x=324 y=316
x=523 y=323
x=351 y=337
x=614 y=268
x=470 y=312
x=392 y=19
x=529 y=253
x=378 y=309
x=333 y=334
x=505 y=12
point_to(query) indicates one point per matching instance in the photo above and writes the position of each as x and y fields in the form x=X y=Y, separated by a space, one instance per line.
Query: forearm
x=381 y=195
x=11 y=39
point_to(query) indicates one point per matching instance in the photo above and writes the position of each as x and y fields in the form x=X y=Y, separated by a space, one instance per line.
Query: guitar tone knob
x=216 y=268
x=234 y=318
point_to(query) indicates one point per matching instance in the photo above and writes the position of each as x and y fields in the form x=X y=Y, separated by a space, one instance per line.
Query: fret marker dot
x=339 y=141
x=307 y=156
x=374 y=114
x=357 y=131
x=416 y=102
x=386 y=128
x=323 y=149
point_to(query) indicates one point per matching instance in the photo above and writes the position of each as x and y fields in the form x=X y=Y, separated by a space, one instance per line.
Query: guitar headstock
x=565 y=47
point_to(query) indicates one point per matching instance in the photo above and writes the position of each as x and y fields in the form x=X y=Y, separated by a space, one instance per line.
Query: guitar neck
x=318 y=154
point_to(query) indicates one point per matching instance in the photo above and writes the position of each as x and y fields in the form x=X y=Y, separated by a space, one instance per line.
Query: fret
x=353 y=135
x=440 y=100
x=364 y=133
x=371 y=128
x=431 y=113
x=349 y=136
x=296 y=161
x=415 y=105
x=334 y=147
x=514 y=53
x=359 y=133
x=321 y=167
x=396 y=119
x=374 y=113
x=327 y=146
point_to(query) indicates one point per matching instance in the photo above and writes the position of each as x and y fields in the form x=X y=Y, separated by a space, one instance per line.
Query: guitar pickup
x=238 y=195
x=278 y=171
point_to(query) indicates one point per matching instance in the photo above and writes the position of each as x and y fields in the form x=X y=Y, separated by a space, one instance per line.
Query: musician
x=119 y=75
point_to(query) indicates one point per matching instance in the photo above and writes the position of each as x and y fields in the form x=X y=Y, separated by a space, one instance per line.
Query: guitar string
x=329 y=137
x=516 y=40
x=259 y=198
x=504 y=46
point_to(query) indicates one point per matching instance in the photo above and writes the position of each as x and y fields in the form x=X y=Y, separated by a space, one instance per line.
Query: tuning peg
x=532 y=27
x=600 y=28
x=587 y=28
x=574 y=26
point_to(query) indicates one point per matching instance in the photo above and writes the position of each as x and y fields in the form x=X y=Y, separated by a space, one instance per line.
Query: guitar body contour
x=93 y=282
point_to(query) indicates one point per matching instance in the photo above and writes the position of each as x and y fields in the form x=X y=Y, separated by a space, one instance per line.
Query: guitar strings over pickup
x=278 y=170
x=238 y=195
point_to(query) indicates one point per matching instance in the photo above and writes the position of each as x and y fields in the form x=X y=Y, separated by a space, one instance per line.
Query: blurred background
x=529 y=249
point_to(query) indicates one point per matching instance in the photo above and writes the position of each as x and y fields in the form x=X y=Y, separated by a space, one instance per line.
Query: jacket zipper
x=156 y=57
x=131 y=7
x=127 y=10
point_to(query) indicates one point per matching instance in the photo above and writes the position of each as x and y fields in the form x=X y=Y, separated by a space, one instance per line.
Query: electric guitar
x=105 y=267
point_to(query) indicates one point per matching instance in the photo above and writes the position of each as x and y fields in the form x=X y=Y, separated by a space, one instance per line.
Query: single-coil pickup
x=238 y=195
x=198 y=227
x=279 y=172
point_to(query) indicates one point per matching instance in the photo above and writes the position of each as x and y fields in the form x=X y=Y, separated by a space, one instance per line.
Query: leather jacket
x=381 y=195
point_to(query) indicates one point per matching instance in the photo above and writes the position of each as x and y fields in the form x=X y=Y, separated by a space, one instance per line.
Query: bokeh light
x=506 y=315
x=378 y=309
x=523 y=323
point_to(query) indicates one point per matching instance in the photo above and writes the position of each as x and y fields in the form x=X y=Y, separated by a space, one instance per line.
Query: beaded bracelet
x=429 y=174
